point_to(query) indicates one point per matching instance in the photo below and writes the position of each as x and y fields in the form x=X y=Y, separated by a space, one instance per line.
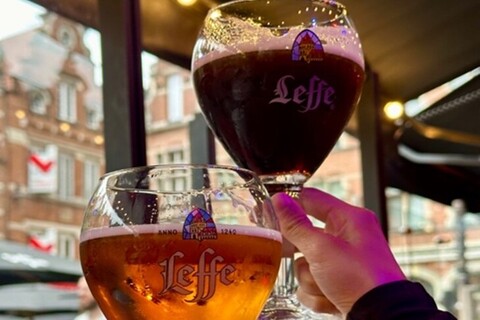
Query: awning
x=22 y=264
x=30 y=299
x=437 y=152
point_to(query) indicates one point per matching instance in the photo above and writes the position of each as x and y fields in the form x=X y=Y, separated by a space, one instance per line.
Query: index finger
x=321 y=205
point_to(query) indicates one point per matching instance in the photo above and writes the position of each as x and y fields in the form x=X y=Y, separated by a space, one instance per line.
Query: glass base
x=288 y=308
x=310 y=315
x=282 y=308
x=291 y=182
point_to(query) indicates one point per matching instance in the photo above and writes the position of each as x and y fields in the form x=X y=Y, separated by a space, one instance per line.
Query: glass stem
x=285 y=284
x=283 y=303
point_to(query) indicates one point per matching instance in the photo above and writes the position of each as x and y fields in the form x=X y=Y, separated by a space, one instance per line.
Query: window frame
x=91 y=175
x=66 y=170
x=67 y=100
x=174 y=89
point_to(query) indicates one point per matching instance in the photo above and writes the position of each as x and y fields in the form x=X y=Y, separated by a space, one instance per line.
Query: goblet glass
x=277 y=81
x=180 y=242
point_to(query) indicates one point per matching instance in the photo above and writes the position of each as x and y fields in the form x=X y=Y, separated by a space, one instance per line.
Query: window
x=91 y=174
x=396 y=219
x=66 y=175
x=38 y=102
x=471 y=219
x=406 y=211
x=178 y=180
x=66 y=36
x=341 y=143
x=332 y=186
x=175 y=97
x=93 y=119
x=346 y=141
x=174 y=156
x=417 y=217
x=177 y=156
x=175 y=182
x=66 y=245
x=226 y=178
x=67 y=101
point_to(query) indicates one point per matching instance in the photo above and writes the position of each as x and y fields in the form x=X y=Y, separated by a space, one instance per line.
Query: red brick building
x=51 y=151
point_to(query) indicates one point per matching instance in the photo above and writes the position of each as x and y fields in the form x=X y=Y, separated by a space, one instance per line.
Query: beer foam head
x=342 y=41
x=174 y=229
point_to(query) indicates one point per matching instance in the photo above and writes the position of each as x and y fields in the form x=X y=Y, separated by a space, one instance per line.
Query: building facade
x=50 y=135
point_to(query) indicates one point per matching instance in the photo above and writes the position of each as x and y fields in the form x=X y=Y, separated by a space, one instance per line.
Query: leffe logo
x=307 y=47
x=317 y=93
x=179 y=280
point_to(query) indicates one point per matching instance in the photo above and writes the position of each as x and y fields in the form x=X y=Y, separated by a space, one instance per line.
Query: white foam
x=165 y=228
x=341 y=41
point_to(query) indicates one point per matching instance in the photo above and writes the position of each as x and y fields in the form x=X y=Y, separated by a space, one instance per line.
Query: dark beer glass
x=193 y=242
x=277 y=81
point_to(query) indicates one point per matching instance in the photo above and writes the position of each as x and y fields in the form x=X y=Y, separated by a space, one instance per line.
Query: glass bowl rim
x=177 y=166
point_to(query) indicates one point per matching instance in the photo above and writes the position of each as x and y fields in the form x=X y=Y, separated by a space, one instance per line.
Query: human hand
x=342 y=261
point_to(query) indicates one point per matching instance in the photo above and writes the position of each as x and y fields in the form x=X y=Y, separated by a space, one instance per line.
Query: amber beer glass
x=180 y=242
x=278 y=81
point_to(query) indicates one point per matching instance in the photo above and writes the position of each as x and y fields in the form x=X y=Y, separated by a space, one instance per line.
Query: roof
x=34 y=58
x=37 y=60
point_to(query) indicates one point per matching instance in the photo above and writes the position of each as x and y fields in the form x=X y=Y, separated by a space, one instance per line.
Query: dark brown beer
x=151 y=273
x=274 y=115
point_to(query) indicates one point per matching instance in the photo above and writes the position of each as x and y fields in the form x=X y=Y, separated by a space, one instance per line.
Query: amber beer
x=276 y=115
x=152 y=273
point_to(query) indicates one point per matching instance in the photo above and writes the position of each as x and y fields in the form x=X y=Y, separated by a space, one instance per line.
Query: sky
x=17 y=16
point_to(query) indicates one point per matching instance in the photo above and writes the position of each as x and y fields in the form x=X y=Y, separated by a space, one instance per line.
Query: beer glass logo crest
x=308 y=47
x=307 y=96
x=199 y=225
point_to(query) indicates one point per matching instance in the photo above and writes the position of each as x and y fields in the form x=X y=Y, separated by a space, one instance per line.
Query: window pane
x=65 y=176
x=66 y=245
x=91 y=176
x=38 y=102
x=67 y=104
x=175 y=97
x=394 y=209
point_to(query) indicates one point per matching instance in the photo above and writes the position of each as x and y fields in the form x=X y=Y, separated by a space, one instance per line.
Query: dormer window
x=93 y=119
x=66 y=36
x=39 y=101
